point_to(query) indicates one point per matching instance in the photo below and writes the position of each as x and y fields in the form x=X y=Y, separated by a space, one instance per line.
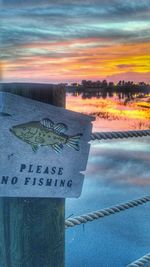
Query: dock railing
x=99 y=214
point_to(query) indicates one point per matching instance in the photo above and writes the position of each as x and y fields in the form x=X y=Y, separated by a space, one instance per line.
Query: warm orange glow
x=112 y=114
x=1 y=69
x=79 y=59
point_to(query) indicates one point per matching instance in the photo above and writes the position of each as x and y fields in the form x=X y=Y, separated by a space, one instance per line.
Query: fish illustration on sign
x=46 y=133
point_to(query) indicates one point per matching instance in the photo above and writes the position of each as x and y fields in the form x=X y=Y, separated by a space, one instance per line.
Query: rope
x=141 y=262
x=126 y=134
x=105 y=212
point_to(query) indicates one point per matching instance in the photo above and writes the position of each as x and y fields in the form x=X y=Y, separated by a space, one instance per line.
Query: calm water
x=117 y=171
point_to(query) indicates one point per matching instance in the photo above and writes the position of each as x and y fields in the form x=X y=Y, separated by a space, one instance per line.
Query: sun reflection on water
x=113 y=114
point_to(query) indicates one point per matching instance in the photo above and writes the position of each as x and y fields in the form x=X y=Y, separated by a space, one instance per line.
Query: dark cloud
x=33 y=22
x=129 y=66
x=103 y=9
x=30 y=31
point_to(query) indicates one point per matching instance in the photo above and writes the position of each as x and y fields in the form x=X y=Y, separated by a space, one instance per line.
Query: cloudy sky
x=66 y=41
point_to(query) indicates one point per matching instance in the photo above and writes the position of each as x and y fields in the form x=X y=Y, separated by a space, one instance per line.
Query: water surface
x=117 y=171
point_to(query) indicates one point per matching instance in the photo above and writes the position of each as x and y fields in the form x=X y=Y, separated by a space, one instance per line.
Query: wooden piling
x=32 y=232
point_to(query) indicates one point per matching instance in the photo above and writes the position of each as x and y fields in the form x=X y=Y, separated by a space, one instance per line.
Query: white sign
x=43 y=149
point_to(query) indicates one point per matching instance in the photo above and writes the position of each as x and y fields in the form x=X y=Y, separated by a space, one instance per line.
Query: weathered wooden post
x=32 y=229
x=43 y=149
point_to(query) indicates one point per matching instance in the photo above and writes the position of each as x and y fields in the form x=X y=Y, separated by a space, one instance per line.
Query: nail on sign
x=43 y=149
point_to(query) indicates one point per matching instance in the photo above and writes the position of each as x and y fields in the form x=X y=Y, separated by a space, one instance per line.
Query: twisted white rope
x=123 y=134
x=141 y=262
x=105 y=212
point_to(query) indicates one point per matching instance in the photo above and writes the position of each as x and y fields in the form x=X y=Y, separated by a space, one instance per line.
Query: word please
x=40 y=169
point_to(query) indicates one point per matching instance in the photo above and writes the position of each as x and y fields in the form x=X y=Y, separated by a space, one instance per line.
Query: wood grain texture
x=47 y=93
x=32 y=232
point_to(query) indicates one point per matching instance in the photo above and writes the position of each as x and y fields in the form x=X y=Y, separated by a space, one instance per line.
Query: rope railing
x=89 y=217
x=142 y=262
x=122 y=134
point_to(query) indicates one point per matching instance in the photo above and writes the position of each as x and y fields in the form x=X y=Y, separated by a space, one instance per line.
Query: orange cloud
x=1 y=70
x=78 y=59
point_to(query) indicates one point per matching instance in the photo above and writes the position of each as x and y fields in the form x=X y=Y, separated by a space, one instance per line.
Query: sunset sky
x=68 y=41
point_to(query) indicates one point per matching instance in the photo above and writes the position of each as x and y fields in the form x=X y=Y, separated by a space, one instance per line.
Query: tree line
x=123 y=89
